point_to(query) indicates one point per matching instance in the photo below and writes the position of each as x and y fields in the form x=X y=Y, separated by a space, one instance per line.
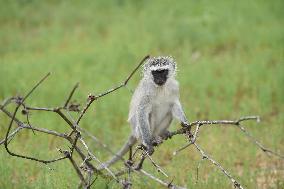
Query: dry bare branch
x=205 y=156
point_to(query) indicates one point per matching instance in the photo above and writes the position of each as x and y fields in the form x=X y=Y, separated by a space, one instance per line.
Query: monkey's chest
x=161 y=114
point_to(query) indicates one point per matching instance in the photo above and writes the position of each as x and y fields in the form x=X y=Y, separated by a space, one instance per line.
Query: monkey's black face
x=160 y=76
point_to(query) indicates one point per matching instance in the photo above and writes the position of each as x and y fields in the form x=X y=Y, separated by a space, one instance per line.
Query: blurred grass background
x=230 y=58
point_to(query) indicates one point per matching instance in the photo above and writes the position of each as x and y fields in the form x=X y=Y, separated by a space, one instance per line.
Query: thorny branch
x=84 y=167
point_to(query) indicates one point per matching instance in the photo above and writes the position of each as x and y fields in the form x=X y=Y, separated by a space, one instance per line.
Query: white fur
x=152 y=107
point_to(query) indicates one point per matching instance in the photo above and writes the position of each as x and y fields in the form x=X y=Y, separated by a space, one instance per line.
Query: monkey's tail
x=119 y=155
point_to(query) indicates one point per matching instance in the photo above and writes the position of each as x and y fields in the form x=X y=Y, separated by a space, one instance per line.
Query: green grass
x=230 y=57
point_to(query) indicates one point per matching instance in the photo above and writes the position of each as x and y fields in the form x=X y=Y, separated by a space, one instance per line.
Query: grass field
x=230 y=56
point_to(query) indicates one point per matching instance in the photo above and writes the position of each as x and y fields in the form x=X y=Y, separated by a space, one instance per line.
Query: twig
x=183 y=130
x=92 y=98
x=11 y=123
x=12 y=134
x=265 y=150
x=70 y=95
x=21 y=125
x=28 y=121
x=96 y=140
x=159 y=169
x=78 y=171
x=168 y=185
x=96 y=159
x=22 y=156
x=204 y=155
x=32 y=90
x=191 y=141
x=93 y=181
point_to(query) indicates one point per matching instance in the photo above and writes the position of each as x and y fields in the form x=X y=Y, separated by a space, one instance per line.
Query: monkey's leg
x=157 y=140
x=139 y=165
x=162 y=129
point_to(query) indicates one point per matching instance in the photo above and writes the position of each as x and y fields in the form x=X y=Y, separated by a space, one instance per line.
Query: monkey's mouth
x=160 y=82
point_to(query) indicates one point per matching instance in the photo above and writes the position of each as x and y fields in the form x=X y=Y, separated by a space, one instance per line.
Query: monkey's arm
x=178 y=113
x=143 y=111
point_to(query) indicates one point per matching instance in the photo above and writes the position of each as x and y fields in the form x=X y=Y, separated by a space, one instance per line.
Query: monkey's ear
x=146 y=65
x=172 y=61
x=170 y=58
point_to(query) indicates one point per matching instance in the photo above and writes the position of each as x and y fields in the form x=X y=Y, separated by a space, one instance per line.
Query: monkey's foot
x=166 y=135
x=129 y=163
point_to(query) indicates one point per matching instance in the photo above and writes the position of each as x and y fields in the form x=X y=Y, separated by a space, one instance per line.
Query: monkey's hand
x=188 y=128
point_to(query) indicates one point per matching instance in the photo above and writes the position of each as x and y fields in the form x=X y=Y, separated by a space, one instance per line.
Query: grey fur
x=152 y=107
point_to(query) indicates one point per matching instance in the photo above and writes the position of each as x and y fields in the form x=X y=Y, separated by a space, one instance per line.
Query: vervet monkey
x=154 y=104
